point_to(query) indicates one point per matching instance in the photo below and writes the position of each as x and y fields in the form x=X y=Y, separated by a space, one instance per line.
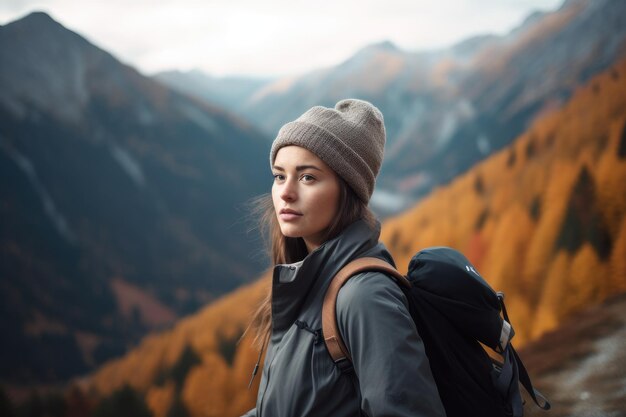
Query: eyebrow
x=298 y=168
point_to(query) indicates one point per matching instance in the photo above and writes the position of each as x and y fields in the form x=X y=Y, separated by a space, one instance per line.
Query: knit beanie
x=349 y=138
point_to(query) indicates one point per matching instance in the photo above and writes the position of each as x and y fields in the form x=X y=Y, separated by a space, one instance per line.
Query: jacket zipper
x=267 y=382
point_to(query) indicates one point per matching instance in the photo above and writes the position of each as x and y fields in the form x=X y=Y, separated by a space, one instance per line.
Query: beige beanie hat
x=349 y=138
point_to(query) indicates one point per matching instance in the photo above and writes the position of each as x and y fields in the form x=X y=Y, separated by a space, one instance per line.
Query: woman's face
x=305 y=195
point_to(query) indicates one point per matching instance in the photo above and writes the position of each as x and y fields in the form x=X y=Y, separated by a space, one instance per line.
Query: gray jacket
x=299 y=378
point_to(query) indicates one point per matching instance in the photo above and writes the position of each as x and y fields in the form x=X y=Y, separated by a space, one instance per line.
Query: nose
x=288 y=192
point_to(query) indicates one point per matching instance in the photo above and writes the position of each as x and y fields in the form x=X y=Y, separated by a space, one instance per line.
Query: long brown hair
x=284 y=249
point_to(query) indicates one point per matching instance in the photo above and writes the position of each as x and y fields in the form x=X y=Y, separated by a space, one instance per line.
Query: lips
x=289 y=214
x=290 y=211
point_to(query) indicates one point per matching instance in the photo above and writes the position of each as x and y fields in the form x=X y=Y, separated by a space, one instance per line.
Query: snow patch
x=145 y=116
x=57 y=219
x=388 y=201
x=128 y=164
x=466 y=109
x=483 y=145
x=199 y=117
x=447 y=129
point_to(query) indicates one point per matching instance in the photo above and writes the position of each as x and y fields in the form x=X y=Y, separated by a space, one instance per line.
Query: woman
x=325 y=165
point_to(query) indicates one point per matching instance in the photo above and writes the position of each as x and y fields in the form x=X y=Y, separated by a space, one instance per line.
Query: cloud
x=273 y=36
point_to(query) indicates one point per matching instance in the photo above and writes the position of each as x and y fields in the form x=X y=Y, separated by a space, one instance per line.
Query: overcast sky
x=271 y=37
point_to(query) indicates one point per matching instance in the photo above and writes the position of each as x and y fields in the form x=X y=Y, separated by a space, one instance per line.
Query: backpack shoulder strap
x=330 y=328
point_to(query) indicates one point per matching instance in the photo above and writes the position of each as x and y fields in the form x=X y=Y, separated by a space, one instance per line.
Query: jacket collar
x=298 y=285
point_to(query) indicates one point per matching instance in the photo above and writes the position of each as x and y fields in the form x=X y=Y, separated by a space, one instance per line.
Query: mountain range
x=124 y=200
x=446 y=109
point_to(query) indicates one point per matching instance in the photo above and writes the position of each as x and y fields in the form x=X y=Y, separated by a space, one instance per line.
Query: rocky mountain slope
x=122 y=203
x=581 y=366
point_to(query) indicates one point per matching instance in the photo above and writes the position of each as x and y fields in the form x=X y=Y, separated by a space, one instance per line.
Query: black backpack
x=454 y=310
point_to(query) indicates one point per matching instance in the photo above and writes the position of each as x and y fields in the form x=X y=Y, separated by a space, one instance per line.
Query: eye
x=307 y=178
x=279 y=177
